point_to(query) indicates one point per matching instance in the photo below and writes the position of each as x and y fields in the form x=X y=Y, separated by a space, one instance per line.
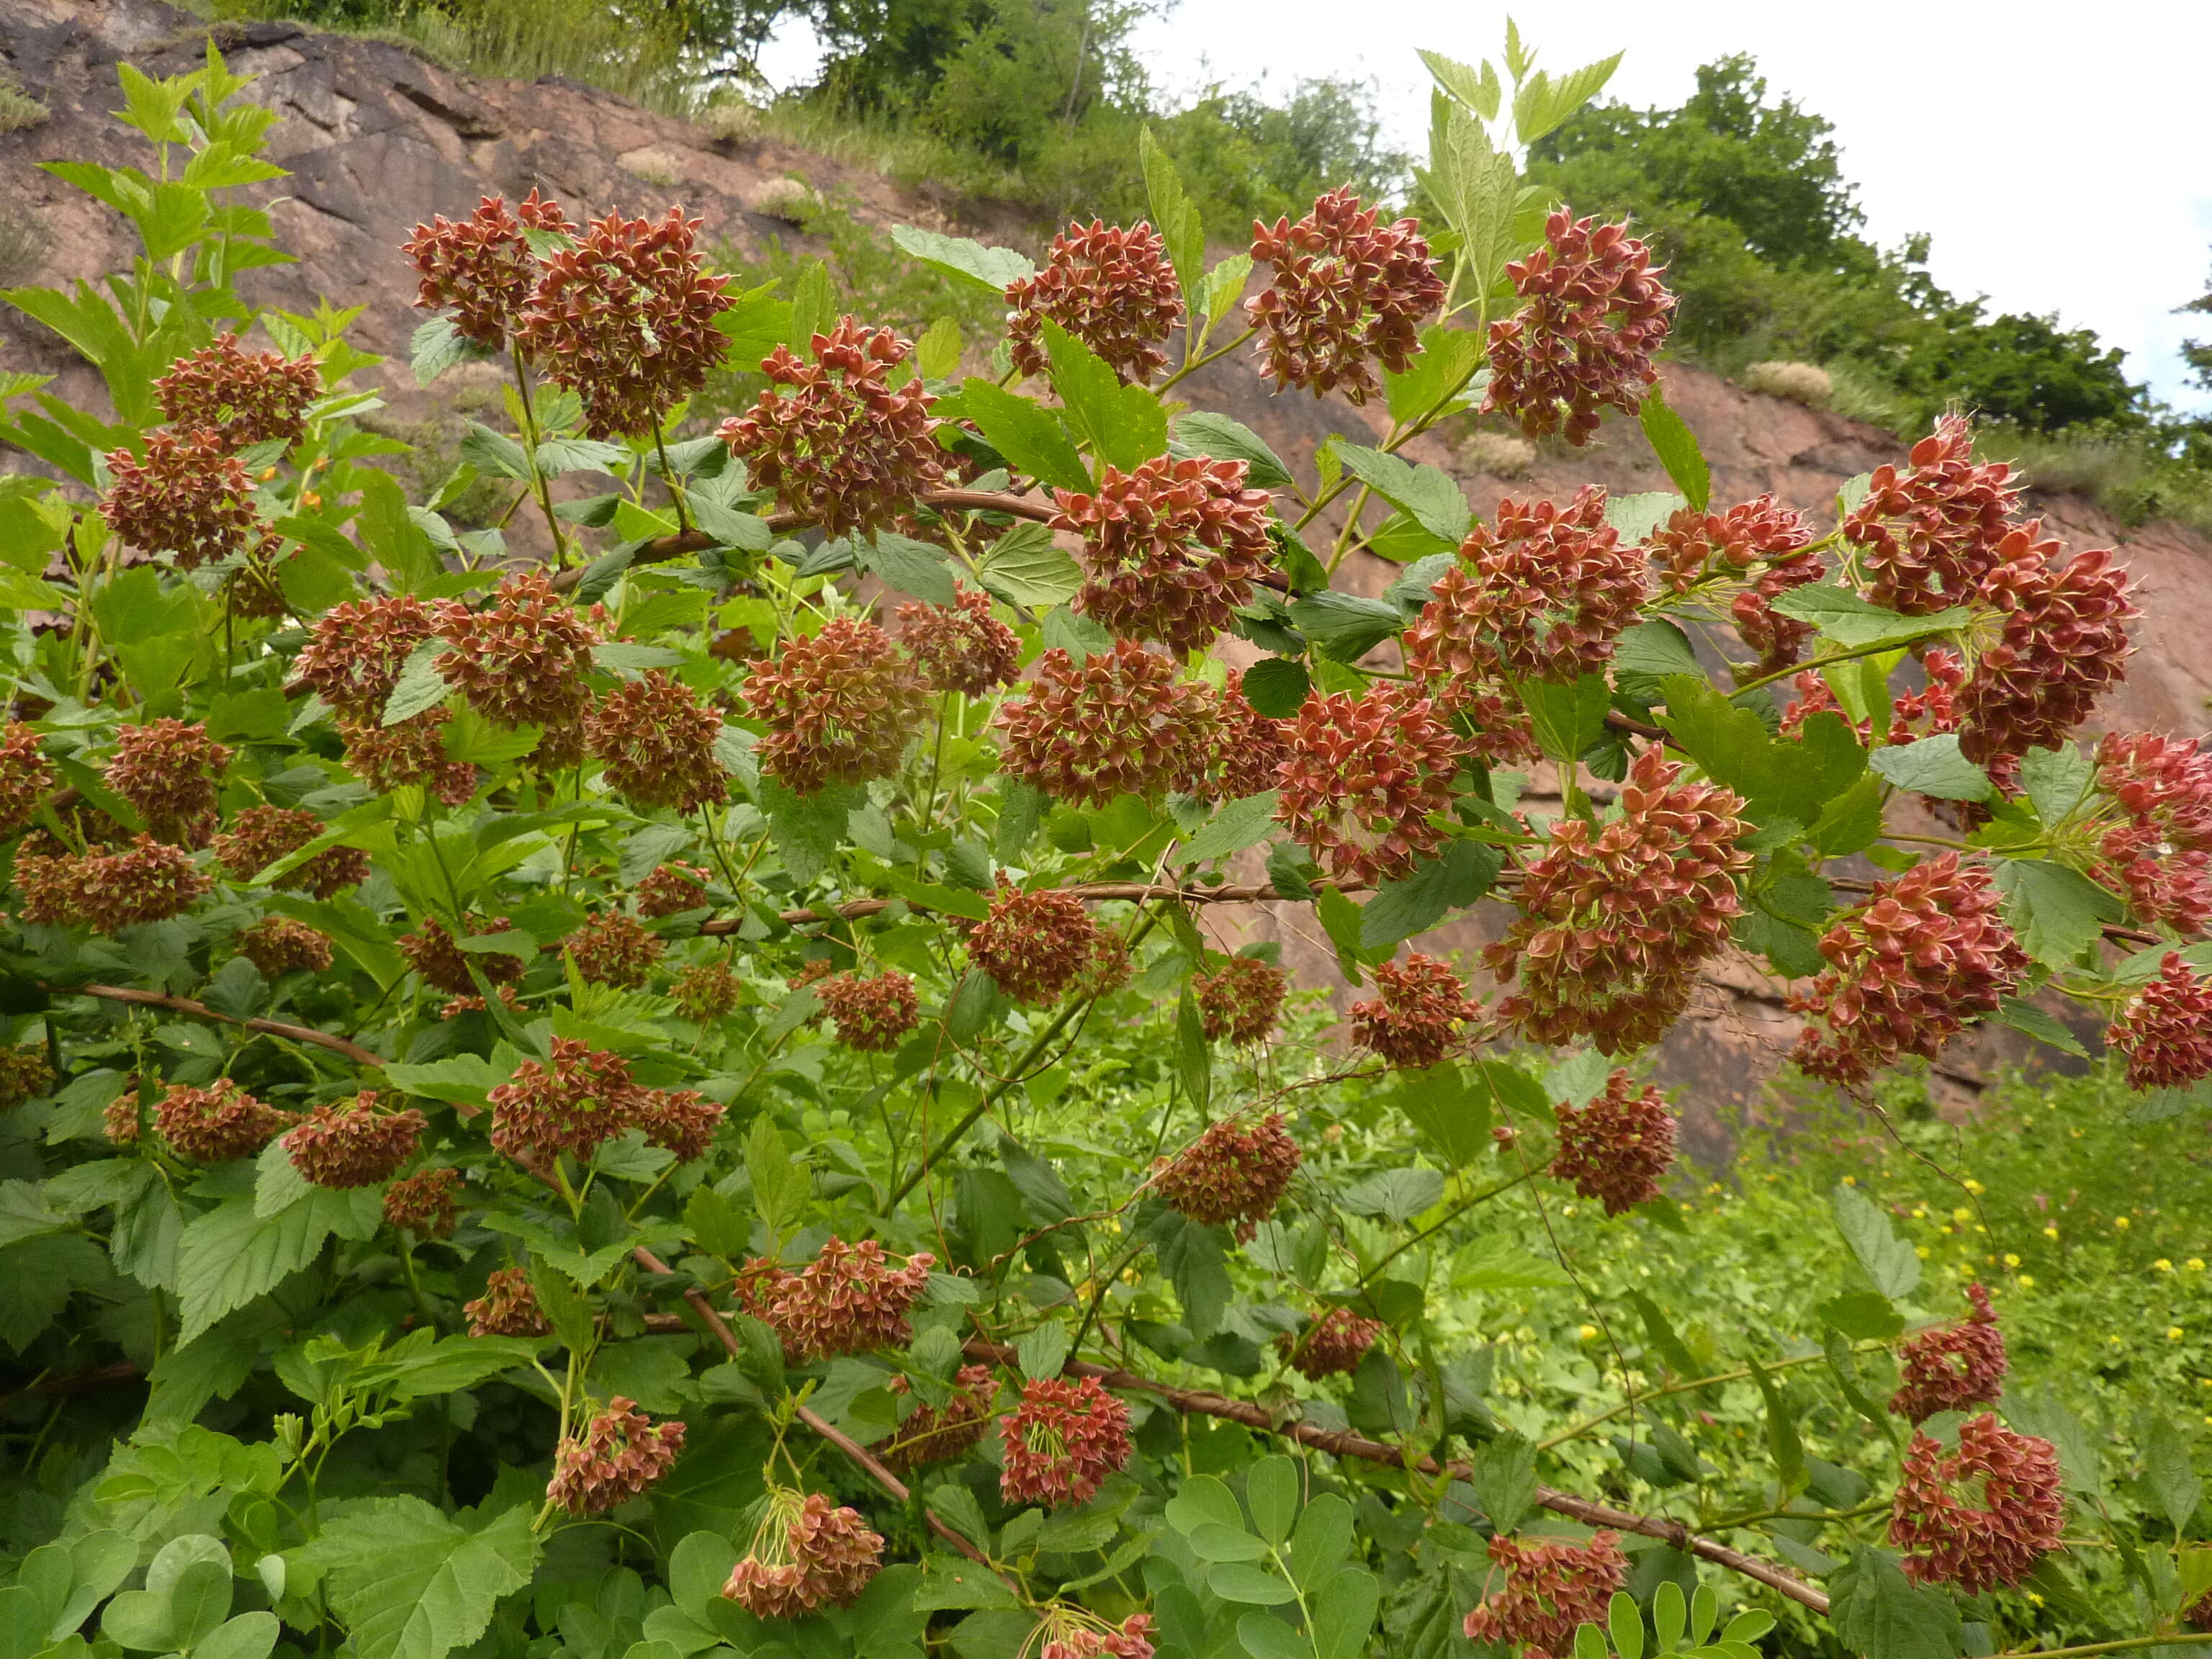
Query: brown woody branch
x=352 y=1051
x=1342 y=1442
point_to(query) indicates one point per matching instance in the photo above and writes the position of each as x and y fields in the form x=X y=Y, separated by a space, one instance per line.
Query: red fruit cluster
x=961 y=646
x=840 y=706
x=1332 y=1346
x=431 y=951
x=508 y=1307
x=613 y=949
x=1954 y=1366
x=1541 y=594
x=259 y=835
x=1762 y=534
x=680 y=1122
x=1344 y=290
x=625 y=318
x=935 y=1434
x=808 y=1555
x=656 y=740
x=1907 y=971
x=147 y=881
x=1615 y=1149
x=521 y=660
x=1615 y=922
x=243 y=397
x=1064 y=1438
x=835 y=442
x=2163 y=783
x=481 y=265
x=2062 y=641
x=1981 y=1516
x=1172 y=548
x=2165 y=1033
x=187 y=497
x=1077 y=1633
x=849 y=1299
x=873 y=1015
x=1593 y=311
x=1240 y=1001
x=25 y=1074
x=352 y=1144
x=424 y=1203
x=1118 y=722
x=388 y=757
x=278 y=946
x=26 y=776
x=1927 y=534
x=707 y=990
x=583 y=1097
x=1363 y=775
x=1419 y=1017
x=217 y=1123
x=671 y=889
x=620 y=1453
x=119 y=1120
x=1233 y=1174
x=355 y=651
x=1249 y=748
x=1552 y=1586
x=167 y=770
x=1114 y=290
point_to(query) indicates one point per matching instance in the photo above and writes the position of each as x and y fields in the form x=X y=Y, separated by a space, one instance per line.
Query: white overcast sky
x=2057 y=154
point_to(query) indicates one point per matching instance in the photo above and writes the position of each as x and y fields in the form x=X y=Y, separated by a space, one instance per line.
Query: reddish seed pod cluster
x=1249 y=748
x=2062 y=642
x=355 y=651
x=583 y=1097
x=613 y=949
x=278 y=945
x=1617 y=1147
x=1593 y=311
x=873 y=1015
x=1033 y=945
x=1344 y=290
x=1422 y=1014
x=1363 y=775
x=1120 y=722
x=388 y=757
x=1077 y=1633
x=849 y=1299
x=521 y=660
x=217 y=1123
x=25 y=1075
x=431 y=951
x=243 y=398
x=352 y=1143
x=707 y=991
x=671 y=889
x=1240 y=1001
x=1064 y=1438
x=1234 y=1174
x=146 y=881
x=1332 y=1346
x=1907 y=971
x=1552 y=1586
x=2165 y=1033
x=26 y=776
x=807 y=1554
x=1928 y=532
x=2160 y=853
x=508 y=1307
x=836 y=442
x=620 y=1453
x=424 y=1203
x=656 y=740
x=625 y=318
x=679 y=1121
x=1954 y=1366
x=1981 y=1516
x=840 y=706
x=167 y=769
x=1540 y=594
x=1172 y=548
x=1112 y=288
x=259 y=835
x=961 y=646
x=1615 y=923
x=936 y=1434
x=481 y=266
x=1759 y=536
x=187 y=498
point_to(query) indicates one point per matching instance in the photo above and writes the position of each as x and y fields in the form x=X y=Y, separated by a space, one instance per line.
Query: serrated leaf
x=230 y=1255
x=1043 y=1351
x=420 y=686
x=1856 y=623
x=1676 y=446
x=1124 y=425
x=438 y=345
x=1236 y=825
x=1889 y=1261
x=1027 y=569
x=1452 y=880
x=992 y=268
x=1423 y=493
x=412 y=1582
x=495 y=452
x=1276 y=687
x=1201 y=432
x=1934 y=766
x=908 y=566
x=2056 y=910
x=1877 y=1611
x=1030 y=436
x=1346 y=626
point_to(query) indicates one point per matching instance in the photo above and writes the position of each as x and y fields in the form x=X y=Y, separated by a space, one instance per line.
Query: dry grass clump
x=730 y=121
x=1802 y=382
x=784 y=199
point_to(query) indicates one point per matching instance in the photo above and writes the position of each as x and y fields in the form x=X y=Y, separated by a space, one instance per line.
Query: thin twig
x=352 y=1051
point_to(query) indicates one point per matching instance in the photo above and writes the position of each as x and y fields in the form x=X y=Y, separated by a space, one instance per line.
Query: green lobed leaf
x=1423 y=493
x=1856 y=624
x=1880 y=1613
x=2056 y=910
x=1890 y=1262
x=1934 y=766
x=1234 y=826
x=1202 y=433
x=1026 y=569
x=908 y=566
x=412 y=1582
x=1676 y=446
x=1028 y=435
x=1125 y=426
x=992 y=268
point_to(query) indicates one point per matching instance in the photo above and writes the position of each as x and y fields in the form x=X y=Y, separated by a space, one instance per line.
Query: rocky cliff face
x=377 y=139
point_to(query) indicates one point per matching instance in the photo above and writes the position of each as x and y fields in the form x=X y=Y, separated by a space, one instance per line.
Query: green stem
x=1814 y=666
x=1194 y=367
x=668 y=478
x=953 y=1136
x=1633 y=1401
x=1098 y=1297
x=2175 y=1638
x=1482 y=1197
x=537 y=484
